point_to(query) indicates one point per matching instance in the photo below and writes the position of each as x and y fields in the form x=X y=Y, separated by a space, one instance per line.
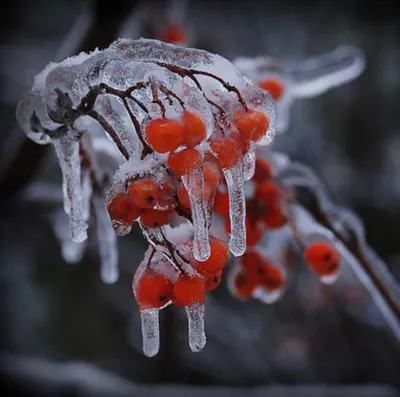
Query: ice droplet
x=194 y=184
x=237 y=208
x=197 y=336
x=150 y=332
x=67 y=150
x=107 y=240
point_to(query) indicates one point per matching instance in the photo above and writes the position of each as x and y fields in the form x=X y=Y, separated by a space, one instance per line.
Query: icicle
x=150 y=332
x=71 y=251
x=237 y=208
x=249 y=164
x=86 y=193
x=197 y=336
x=67 y=150
x=107 y=240
x=194 y=184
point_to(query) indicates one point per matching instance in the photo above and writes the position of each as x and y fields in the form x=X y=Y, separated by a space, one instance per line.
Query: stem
x=110 y=130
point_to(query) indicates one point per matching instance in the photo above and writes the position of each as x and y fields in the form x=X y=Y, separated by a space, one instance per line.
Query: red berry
x=263 y=171
x=194 y=128
x=182 y=162
x=144 y=193
x=154 y=218
x=222 y=204
x=212 y=173
x=218 y=256
x=272 y=278
x=244 y=287
x=152 y=290
x=212 y=282
x=164 y=135
x=253 y=234
x=227 y=152
x=268 y=192
x=122 y=209
x=252 y=124
x=183 y=196
x=274 y=218
x=273 y=86
x=322 y=258
x=174 y=34
x=188 y=290
x=167 y=195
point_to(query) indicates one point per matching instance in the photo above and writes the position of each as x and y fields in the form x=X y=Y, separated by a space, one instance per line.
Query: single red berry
x=188 y=290
x=144 y=193
x=226 y=151
x=274 y=218
x=268 y=192
x=194 y=128
x=167 y=195
x=174 y=34
x=122 y=209
x=250 y=259
x=152 y=290
x=212 y=173
x=218 y=256
x=273 y=86
x=182 y=162
x=154 y=218
x=263 y=171
x=222 y=204
x=272 y=279
x=243 y=286
x=322 y=258
x=183 y=196
x=252 y=124
x=164 y=135
x=212 y=282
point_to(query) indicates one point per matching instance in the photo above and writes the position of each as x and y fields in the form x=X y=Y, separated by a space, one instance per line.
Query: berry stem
x=110 y=130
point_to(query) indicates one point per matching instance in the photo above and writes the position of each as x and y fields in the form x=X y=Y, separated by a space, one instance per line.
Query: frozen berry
x=164 y=135
x=144 y=193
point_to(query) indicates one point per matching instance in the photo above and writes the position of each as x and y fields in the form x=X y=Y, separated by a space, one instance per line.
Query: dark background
x=351 y=136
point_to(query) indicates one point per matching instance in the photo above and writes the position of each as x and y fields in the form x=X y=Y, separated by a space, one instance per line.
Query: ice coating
x=237 y=208
x=196 y=333
x=305 y=78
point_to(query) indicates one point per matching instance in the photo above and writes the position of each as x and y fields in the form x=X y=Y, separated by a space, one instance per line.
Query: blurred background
x=64 y=332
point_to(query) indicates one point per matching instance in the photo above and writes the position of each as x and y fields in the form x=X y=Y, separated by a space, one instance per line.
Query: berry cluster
x=257 y=277
x=184 y=283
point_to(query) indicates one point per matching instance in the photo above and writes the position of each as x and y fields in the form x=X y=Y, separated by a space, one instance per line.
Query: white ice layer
x=237 y=208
